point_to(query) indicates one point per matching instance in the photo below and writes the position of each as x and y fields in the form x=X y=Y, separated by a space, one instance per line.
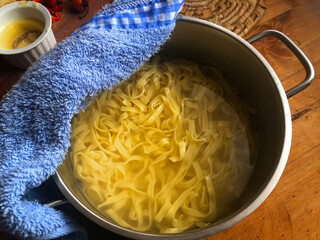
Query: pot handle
x=296 y=51
x=57 y=203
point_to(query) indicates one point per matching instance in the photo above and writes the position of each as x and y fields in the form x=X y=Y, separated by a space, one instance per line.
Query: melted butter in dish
x=20 y=33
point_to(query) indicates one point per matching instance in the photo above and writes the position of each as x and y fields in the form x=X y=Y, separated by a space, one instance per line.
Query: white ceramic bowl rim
x=27 y=4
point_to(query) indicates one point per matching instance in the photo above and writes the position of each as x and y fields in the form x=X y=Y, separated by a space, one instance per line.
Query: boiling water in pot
x=166 y=151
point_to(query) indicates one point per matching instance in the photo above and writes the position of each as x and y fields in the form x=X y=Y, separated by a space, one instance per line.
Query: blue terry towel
x=35 y=114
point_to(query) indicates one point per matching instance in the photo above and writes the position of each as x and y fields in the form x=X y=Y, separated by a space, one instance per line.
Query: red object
x=55 y=16
x=80 y=5
x=55 y=5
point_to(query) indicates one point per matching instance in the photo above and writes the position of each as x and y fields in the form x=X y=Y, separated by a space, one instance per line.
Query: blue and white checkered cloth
x=145 y=15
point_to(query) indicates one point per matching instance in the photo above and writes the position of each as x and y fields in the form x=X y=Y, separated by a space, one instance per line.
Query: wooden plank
x=275 y=8
x=70 y=18
x=300 y=24
x=292 y=209
x=9 y=76
x=305 y=110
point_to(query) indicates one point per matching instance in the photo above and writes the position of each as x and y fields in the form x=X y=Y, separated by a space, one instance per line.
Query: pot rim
x=243 y=212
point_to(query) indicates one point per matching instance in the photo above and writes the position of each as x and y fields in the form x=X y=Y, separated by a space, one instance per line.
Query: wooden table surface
x=292 y=211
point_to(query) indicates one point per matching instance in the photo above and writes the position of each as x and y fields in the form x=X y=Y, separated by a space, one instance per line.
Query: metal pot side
x=258 y=85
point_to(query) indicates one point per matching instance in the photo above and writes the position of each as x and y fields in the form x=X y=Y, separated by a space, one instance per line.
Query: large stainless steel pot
x=260 y=87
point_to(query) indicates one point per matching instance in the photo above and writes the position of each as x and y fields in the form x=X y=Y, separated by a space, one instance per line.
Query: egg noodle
x=162 y=152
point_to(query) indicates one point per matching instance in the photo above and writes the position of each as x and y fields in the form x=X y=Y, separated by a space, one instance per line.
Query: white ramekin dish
x=26 y=56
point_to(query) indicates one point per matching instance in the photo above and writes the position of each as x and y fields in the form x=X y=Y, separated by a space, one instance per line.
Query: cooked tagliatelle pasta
x=162 y=152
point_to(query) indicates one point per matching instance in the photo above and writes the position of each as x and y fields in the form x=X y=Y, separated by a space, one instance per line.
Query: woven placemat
x=239 y=16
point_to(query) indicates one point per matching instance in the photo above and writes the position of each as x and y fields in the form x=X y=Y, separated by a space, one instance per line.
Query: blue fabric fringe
x=35 y=119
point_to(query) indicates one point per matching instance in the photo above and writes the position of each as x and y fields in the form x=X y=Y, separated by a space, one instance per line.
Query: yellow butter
x=20 y=33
